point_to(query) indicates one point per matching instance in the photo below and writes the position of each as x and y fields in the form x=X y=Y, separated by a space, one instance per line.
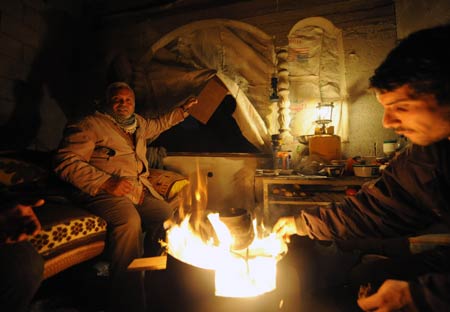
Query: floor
x=182 y=288
x=78 y=289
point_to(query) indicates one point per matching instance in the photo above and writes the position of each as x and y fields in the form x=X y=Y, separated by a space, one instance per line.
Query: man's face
x=122 y=102
x=420 y=119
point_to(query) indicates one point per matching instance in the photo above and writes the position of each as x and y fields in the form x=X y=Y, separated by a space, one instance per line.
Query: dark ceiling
x=112 y=8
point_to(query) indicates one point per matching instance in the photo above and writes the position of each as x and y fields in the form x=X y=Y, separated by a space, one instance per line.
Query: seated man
x=21 y=267
x=105 y=157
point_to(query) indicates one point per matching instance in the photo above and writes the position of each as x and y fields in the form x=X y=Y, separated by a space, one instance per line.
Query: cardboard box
x=208 y=100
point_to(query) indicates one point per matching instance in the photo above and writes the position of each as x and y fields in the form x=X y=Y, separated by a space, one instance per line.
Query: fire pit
x=244 y=264
x=187 y=288
x=224 y=273
x=218 y=261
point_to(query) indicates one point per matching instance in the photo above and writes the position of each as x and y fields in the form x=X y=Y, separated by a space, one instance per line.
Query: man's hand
x=117 y=186
x=189 y=103
x=19 y=223
x=285 y=227
x=393 y=295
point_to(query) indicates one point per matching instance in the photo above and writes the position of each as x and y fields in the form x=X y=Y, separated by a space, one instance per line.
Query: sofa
x=70 y=234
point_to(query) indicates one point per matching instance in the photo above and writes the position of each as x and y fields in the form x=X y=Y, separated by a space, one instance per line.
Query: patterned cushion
x=167 y=183
x=65 y=227
x=13 y=172
x=70 y=235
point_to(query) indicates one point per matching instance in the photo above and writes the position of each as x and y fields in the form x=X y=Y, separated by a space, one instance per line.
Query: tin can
x=283 y=160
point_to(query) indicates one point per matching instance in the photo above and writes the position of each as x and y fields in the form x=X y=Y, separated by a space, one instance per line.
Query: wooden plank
x=150 y=263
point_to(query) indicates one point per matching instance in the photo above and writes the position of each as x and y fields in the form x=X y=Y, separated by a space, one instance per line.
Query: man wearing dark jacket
x=408 y=207
x=21 y=266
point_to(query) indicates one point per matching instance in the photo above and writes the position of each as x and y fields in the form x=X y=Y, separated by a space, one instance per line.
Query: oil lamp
x=324 y=143
x=324 y=113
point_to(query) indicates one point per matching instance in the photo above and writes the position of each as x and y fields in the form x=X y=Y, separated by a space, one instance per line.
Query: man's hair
x=113 y=87
x=420 y=61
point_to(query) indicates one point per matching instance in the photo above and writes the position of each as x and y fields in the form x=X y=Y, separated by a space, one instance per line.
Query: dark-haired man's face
x=122 y=102
x=420 y=119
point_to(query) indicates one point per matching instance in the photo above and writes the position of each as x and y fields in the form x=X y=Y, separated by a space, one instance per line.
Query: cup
x=389 y=148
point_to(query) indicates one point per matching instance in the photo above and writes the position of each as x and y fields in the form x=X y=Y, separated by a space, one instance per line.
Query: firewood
x=150 y=263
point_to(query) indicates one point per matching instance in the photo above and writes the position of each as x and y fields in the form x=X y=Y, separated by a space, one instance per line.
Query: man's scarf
x=128 y=125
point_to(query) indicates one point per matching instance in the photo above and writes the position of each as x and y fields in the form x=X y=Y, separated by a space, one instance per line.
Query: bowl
x=366 y=171
x=368 y=160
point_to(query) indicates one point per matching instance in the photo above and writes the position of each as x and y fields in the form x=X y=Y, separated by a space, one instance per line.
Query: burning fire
x=247 y=272
x=244 y=273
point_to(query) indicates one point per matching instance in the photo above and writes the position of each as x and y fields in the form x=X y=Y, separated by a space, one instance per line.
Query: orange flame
x=244 y=273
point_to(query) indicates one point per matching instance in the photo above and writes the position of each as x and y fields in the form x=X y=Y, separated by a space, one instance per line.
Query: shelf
x=300 y=203
x=302 y=191
x=292 y=179
x=313 y=197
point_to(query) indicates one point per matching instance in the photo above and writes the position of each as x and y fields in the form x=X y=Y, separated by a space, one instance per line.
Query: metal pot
x=304 y=139
x=239 y=222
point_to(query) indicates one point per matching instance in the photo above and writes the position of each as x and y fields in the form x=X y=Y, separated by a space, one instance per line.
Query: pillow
x=65 y=227
x=13 y=172
x=167 y=183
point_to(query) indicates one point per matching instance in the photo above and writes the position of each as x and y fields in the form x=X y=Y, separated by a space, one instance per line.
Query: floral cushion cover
x=65 y=227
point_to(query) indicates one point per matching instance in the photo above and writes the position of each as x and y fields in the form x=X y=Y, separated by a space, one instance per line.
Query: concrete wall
x=366 y=47
x=413 y=15
x=21 y=34
x=39 y=71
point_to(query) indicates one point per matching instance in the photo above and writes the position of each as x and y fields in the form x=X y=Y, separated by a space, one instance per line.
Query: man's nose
x=390 y=120
x=121 y=102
